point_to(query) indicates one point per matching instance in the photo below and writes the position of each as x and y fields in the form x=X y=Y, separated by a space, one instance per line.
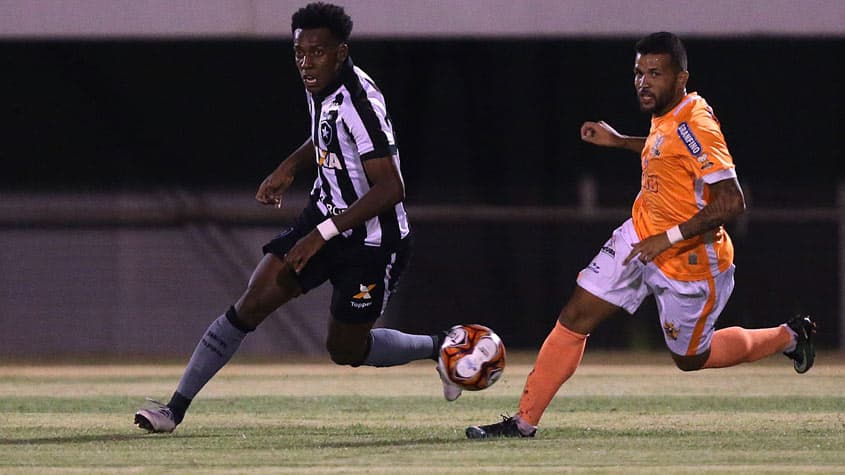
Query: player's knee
x=690 y=363
x=575 y=319
x=342 y=353
x=688 y=366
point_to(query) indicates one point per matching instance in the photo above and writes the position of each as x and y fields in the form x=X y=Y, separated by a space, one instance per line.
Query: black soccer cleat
x=507 y=428
x=804 y=353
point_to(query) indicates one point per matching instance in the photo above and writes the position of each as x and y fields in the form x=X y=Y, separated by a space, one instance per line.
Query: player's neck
x=677 y=100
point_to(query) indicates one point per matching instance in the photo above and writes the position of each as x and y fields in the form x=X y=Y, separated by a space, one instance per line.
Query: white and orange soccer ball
x=472 y=356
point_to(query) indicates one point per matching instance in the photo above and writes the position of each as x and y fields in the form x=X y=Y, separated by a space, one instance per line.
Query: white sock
x=524 y=427
x=791 y=346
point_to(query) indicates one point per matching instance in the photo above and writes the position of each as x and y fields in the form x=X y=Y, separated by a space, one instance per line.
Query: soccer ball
x=472 y=356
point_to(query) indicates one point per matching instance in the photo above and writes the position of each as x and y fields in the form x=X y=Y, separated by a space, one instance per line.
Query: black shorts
x=363 y=277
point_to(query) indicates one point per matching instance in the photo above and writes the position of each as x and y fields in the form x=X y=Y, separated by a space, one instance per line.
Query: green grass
x=613 y=416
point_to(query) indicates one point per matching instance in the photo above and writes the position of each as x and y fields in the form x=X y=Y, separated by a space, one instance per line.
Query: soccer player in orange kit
x=673 y=247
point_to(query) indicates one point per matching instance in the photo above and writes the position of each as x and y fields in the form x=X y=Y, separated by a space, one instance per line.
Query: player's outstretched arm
x=271 y=189
x=601 y=133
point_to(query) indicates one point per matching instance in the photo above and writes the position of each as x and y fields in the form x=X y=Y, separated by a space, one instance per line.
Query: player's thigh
x=689 y=310
x=607 y=284
x=585 y=311
x=363 y=280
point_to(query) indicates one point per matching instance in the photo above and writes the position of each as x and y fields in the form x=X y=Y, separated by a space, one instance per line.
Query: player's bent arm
x=726 y=203
x=634 y=144
x=601 y=133
x=302 y=157
x=385 y=191
x=271 y=189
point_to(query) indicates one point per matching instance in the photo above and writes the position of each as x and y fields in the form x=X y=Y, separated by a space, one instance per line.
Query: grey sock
x=391 y=347
x=214 y=350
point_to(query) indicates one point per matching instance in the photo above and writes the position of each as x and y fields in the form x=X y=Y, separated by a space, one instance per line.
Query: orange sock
x=735 y=345
x=559 y=356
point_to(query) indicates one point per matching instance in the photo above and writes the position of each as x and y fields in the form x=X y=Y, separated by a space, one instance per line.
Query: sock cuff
x=232 y=317
x=561 y=327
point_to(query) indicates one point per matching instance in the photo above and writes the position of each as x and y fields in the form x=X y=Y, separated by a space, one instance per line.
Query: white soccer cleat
x=451 y=391
x=156 y=418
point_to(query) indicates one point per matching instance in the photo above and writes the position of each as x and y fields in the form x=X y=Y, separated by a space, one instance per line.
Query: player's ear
x=683 y=77
x=342 y=52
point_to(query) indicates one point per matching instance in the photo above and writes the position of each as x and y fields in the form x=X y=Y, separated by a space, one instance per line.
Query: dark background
x=490 y=122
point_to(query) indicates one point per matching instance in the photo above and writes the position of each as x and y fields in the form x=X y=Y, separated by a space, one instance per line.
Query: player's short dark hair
x=323 y=15
x=664 y=42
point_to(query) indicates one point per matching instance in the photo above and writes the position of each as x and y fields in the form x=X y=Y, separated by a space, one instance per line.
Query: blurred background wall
x=134 y=135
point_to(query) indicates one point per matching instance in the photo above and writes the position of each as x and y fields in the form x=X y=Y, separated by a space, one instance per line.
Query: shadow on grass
x=82 y=439
x=340 y=444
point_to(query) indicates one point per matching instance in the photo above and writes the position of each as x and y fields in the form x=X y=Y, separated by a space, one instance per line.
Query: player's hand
x=600 y=133
x=649 y=248
x=271 y=189
x=304 y=250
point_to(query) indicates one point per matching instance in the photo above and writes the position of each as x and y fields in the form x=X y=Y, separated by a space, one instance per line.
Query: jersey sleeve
x=365 y=119
x=702 y=136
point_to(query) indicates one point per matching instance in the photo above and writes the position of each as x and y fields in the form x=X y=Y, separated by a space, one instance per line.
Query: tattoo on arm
x=726 y=203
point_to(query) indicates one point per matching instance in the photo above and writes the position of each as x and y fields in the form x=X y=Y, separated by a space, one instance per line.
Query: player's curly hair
x=664 y=42
x=323 y=15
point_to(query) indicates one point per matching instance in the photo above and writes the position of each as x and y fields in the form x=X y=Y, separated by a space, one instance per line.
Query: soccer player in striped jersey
x=673 y=247
x=354 y=232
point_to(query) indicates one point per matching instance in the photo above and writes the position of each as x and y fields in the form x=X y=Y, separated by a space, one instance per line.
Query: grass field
x=620 y=413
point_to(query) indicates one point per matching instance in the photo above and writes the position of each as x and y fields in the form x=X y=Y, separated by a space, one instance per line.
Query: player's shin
x=217 y=346
x=390 y=347
x=557 y=361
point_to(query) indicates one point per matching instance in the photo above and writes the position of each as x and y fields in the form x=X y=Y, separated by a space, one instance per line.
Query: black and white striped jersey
x=349 y=125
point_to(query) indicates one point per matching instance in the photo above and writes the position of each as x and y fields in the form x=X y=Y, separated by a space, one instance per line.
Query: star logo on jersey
x=671 y=330
x=326 y=133
x=364 y=293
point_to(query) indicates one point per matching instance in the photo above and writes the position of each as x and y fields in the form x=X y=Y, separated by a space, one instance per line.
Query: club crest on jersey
x=326 y=133
x=328 y=121
x=655 y=149
x=685 y=133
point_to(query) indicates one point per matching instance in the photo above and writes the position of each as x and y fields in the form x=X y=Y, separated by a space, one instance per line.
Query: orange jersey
x=684 y=151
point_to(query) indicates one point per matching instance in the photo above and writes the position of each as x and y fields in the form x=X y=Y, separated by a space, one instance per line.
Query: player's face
x=660 y=86
x=318 y=57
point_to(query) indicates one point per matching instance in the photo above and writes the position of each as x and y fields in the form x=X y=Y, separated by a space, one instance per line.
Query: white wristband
x=674 y=235
x=327 y=229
